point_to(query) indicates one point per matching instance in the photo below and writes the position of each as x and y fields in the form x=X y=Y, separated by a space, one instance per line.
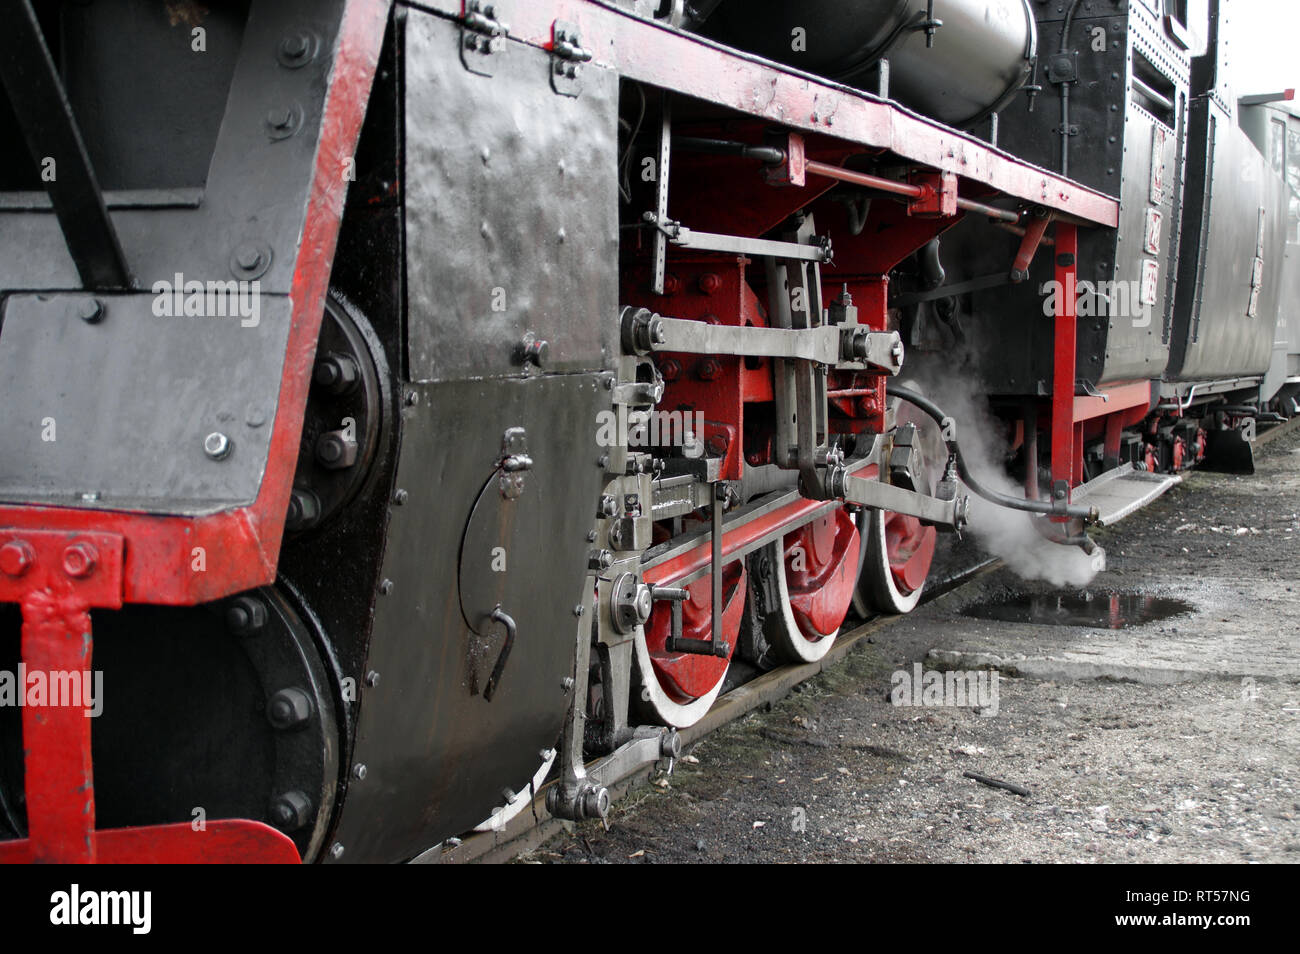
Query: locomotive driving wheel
x=899 y=552
x=899 y=549
x=804 y=585
x=677 y=688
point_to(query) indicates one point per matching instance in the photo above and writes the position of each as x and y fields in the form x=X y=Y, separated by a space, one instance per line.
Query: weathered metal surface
x=114 y=413
x=511 y=210
x=438 y=754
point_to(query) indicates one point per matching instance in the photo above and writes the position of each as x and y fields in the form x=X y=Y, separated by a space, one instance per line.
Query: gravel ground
x=1173 y=741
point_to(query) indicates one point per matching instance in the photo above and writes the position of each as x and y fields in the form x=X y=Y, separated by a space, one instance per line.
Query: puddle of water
x=1098 y=610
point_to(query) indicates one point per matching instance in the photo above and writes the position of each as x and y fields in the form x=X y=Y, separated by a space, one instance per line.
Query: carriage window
x=1293 y=180
x=1277 y=145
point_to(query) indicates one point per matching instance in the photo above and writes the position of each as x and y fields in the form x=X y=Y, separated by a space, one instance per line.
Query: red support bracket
x=57 y=577
x=938 y=198
x=793 y=170
x=1063 y=359
x=1035 y=229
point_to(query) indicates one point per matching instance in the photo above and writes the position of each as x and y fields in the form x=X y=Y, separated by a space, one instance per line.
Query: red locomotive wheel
x=679 y=687
x=899 y=554
x=821 y=567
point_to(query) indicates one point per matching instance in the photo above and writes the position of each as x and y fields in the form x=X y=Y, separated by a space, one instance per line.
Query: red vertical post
x=1063 y=354
x=56 y=737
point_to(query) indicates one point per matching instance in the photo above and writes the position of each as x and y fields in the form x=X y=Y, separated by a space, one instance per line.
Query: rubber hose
x=1086 y=514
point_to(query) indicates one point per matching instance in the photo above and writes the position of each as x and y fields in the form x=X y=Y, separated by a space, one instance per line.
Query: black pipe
x=931 y=266
x=1087 y=514
x=1065 y=92
x=725 y=147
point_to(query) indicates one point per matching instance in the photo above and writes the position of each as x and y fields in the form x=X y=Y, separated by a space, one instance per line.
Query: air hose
x=1087 y=514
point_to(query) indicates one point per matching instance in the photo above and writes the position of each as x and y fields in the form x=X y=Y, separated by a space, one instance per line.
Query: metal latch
x=567 y=57
x=514 y=462
x=481 y=35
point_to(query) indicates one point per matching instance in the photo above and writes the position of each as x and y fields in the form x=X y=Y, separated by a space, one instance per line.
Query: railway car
x=411 y=407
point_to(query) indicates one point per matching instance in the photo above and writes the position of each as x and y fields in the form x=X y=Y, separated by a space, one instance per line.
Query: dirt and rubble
x=1174 y=740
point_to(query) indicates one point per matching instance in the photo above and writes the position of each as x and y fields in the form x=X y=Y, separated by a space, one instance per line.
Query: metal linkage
x=848 y=347
x=681 y=236
x=950 y=514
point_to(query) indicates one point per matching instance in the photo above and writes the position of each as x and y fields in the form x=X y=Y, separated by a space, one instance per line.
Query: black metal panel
x=119 y=408
x=40 y=104
x=437 y=755
x=142 y=133
x=511 y=210
x=258 y=181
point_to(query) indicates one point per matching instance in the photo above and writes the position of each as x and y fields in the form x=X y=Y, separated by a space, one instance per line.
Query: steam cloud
x=1007 y=534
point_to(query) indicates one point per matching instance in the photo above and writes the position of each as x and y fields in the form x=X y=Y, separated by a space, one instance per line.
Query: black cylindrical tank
x=981 y=55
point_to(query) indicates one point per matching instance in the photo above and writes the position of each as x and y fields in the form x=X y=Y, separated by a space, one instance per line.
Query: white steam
x=1009 y=535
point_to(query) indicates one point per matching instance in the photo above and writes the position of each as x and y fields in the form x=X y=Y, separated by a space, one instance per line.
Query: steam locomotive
x=407 y=404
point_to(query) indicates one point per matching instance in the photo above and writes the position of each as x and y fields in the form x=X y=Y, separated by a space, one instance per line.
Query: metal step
x=1122 y=491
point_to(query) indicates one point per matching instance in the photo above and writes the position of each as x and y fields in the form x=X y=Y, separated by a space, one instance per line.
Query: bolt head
x=79 y=559
x=595 y=804
x=289 y=709
x=279 y=117
x=359 y=771
x=386 y=587
x=16 y=558
x=248 y=257
x=245 y=615
x=290 y=811
x=295 y=45
x=90 y=310
x=336 y=850
x=336 y=373
x=304 y=509
x=217 y=446
x=400 y=497
x=372 y=678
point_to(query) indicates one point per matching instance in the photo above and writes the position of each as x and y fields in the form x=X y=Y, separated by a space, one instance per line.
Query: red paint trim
x=242 y=546
x=1120 y=397
x=1063 y=354
x=56 y=738
x=225 y=841
x=697 y=558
